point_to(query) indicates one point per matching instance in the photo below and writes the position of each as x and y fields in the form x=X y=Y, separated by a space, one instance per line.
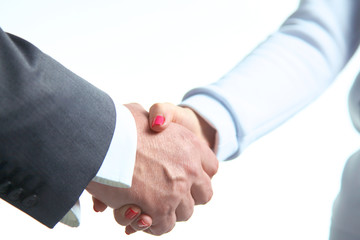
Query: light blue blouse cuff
x=218 y=117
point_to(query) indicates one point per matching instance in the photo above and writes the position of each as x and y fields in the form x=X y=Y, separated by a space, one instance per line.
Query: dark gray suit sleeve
x=55 y=130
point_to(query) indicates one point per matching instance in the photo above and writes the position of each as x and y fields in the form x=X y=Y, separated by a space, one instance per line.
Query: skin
x=172 y=174
x=185 y=117
x=168 y=113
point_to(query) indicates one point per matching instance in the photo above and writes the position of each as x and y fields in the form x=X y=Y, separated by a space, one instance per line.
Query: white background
x=281 y=187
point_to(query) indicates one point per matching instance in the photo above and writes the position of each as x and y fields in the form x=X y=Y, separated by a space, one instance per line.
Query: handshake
x=173 y=171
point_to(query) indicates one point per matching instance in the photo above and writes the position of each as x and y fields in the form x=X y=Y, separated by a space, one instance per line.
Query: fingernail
x=142 y=224
x=95 y=209
x=129 y=231
x=159 y=120
x=130 y=213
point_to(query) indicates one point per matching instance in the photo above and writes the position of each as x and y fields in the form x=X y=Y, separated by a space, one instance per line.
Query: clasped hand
x=172 y=174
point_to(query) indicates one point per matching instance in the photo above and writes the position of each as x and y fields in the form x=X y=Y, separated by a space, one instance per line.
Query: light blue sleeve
x=285 y=73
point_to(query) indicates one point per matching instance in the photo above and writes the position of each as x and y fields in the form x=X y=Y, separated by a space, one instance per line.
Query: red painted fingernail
x=130 y=213
x=159 y=120
x=95 y=209
x=129 y=231
x=142 y=224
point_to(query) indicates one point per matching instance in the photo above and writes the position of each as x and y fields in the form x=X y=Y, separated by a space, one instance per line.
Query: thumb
x=161 y=115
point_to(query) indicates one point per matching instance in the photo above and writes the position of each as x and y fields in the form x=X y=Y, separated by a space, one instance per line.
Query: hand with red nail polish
x=142 y=223
x=186 y=117
x=128 y=215
x=169 y=178
x=158 y=121
x=162 y=114
x=132 y=217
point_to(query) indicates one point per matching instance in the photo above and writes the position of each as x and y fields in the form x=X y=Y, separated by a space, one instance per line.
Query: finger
x=98 y=205
x=142 y=223
x=165 y=225
x=201 y=190
x=185 y=209
x=126 y=214
x=209 y=162
x=129 y=230
x=161 y=115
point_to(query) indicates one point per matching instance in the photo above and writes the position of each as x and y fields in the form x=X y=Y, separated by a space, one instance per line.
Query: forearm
x=288 y=70
x=55 y=127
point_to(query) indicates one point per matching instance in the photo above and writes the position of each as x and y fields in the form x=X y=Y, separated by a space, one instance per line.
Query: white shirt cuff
x=118 y=166
x=72 y=218
x=216 y=114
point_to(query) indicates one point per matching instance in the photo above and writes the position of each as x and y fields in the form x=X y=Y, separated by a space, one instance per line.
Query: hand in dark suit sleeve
x=55 y=130
x=169 y=179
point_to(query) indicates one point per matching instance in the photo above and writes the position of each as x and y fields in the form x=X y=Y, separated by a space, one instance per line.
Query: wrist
x=204 y=130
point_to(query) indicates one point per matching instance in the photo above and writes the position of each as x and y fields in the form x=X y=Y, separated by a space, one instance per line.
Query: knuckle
x=171 y=227
x=163 y=210
x=193 y=170
x=155 y=107
x=205 y=197
x=193 y=161
x=155 y=231
x=185 y=216
x=185 y=210
x=214 y=169
x=171 y=223
x=181 y=188
x=119 y=217
x=209 y=196
x=189 y=162
x=164 y=226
